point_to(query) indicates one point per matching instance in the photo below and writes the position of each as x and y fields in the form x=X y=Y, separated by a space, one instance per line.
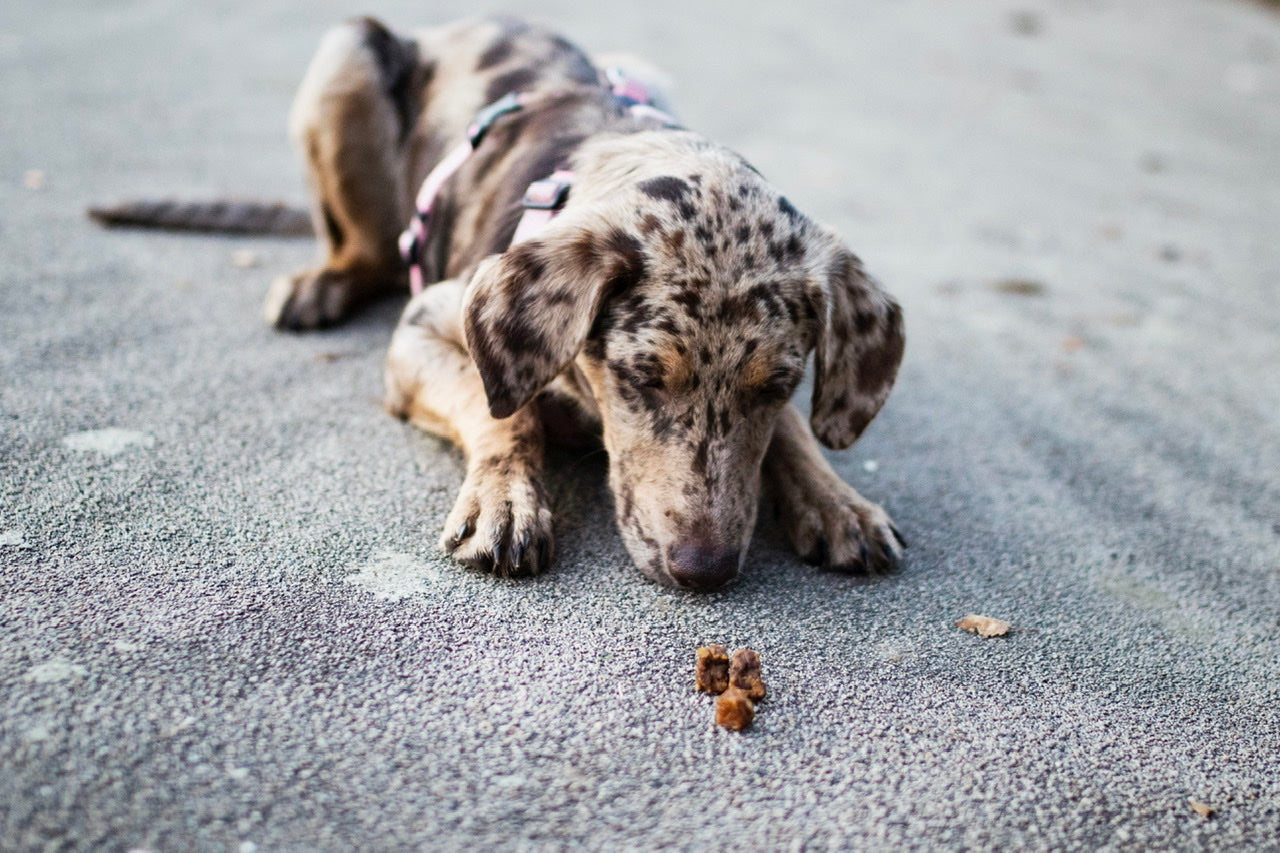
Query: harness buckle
x=508 y=103
x=630 y=91
x=546 y=194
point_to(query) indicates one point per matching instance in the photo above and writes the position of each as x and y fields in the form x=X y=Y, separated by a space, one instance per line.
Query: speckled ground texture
x=225 y=623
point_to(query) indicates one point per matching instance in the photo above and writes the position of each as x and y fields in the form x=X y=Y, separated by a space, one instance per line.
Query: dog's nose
x=702 y=567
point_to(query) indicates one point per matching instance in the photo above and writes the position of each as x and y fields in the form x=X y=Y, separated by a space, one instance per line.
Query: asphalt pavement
x=224 y=620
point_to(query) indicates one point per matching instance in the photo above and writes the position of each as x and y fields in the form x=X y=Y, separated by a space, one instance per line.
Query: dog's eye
x=648 y=381
x=779 y=386
x=640 y=375
x=647 y=374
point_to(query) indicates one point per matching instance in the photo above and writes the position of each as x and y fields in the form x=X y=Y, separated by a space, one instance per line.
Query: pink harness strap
x=414 y=238
x=542 y=203
x=543 y=200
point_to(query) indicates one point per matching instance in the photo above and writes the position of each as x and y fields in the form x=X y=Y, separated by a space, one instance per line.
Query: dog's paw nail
x=459 y=536
x=897 y=534
x=820 y=553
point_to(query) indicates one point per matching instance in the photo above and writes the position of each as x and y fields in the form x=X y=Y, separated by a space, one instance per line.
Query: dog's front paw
x=311 y=300
x=500 y=524
x=832 y=526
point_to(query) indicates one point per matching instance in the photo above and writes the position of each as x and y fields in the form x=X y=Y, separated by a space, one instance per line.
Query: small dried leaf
x=984 y=626
x=1111 y=232
x=1204 y=810
x=1020 y=287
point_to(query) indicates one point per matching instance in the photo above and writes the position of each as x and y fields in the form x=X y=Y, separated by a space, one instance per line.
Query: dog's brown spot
x=629 y=261
x=788 y=209
x=690 y=300
x=527 y=264
x=671 y=189
x=879 y=365
x=666 y=188
x=497 y=53
x=674 y=240
x=575 y=63
x=512 y=81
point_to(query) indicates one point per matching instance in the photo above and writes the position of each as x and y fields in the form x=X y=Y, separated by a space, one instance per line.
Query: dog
x=670 y=307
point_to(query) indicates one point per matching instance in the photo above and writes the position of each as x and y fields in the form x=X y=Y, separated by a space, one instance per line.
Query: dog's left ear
x=527 y=312
x=860 y=344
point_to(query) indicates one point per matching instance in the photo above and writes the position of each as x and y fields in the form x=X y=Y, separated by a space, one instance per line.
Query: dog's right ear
x=527 y=312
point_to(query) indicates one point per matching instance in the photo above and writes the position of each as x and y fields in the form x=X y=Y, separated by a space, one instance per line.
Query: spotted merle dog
x=671 y=306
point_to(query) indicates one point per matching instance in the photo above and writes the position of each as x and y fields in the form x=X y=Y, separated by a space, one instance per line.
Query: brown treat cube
x=744 y=673
x=735 y=710
x=711 y=672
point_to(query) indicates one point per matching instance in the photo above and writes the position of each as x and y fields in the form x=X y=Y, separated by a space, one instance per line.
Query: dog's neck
x=543 y=199
x=477 y=210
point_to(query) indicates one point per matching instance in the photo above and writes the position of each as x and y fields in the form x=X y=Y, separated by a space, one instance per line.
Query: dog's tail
x=219 y=217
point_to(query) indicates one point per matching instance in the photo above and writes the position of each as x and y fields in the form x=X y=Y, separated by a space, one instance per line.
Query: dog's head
x=690 y=295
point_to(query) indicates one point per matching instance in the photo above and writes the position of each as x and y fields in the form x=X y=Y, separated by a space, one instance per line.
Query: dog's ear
x=860 y=344
x=527 y=312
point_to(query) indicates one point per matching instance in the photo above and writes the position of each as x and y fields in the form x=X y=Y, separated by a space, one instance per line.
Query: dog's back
x=475 y=64
x=377 y=111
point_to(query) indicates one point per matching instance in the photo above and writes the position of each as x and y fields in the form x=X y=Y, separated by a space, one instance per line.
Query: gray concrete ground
x=226 y=625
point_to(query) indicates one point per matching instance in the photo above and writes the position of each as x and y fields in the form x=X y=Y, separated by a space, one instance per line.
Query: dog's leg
x=829 y=523
x=352 y=120
x=501 y=521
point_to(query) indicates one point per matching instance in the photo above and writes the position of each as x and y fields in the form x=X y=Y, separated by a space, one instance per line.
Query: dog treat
x=736 y=679
x=744 y=673
x=734 y=709
x=984 y=626
x=711 y=672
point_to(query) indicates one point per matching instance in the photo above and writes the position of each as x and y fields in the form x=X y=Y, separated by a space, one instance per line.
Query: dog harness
x=543 y=199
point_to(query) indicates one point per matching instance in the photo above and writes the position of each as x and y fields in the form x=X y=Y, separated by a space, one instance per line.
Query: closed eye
x=640 y=375
x=779 y=385
x=649 y=381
